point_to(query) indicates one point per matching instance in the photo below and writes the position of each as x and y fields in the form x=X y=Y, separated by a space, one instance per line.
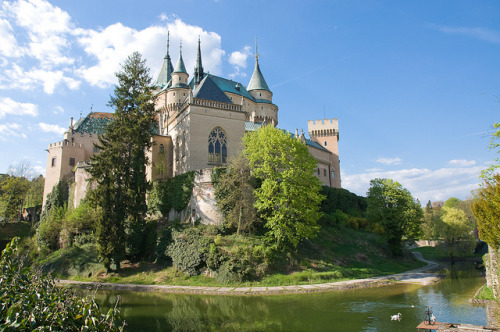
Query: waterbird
x=396 y=317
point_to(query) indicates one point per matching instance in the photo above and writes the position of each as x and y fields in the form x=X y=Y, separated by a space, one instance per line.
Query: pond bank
x=423 y=276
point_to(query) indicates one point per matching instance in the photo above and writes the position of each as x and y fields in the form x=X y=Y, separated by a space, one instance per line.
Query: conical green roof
x=179 y=67
x=257 y=82
x=165 y=72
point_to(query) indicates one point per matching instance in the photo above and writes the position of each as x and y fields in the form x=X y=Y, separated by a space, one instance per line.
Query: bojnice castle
x=201 y=123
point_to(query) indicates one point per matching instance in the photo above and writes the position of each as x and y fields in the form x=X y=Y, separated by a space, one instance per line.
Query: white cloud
x=113 y=44
x=462 y=162
x=8 y=43
x=9 y=106
x=50 y=128
x=47 y=28
x=389 y=161
x=424 y=184
x=488 y=35
x=11 y=129
x=239 y=58
x=58 y=110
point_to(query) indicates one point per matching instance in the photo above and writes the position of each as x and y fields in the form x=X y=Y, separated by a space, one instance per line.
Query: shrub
x=189 y=250
x=47 y=234
x=32 y=301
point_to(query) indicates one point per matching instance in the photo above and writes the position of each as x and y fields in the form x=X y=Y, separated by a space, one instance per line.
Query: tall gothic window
x=217 y=146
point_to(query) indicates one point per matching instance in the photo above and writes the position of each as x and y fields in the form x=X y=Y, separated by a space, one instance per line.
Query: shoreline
x=422 y=276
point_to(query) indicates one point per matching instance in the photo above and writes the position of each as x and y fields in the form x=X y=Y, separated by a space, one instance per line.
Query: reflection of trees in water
x=202 y=313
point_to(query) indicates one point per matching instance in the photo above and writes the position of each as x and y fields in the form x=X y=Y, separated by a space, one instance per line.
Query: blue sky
x=415 y=84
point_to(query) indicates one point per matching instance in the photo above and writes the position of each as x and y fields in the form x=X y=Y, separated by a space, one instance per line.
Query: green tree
x=487 y=174
x=394 y=209
x=455 y=229
x=13 y=193
x=289 y=197
x=120 y=168
x=487 y=212
x=234 y=193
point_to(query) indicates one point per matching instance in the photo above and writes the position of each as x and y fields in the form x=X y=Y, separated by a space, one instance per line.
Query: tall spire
x=198 y=69
x=166 y=70
x=179 y=67
x=257 y=81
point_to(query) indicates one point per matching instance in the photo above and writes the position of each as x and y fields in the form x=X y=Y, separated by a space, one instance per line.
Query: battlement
x=62 y=143
x=324 y=127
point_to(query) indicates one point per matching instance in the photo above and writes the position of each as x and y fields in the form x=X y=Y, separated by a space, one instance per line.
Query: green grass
x=335 y=255
x=485 y=294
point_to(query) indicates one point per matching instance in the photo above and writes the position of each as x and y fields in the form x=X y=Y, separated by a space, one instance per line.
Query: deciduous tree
x=455 y=229
x=394 y=209
x=487 y=212
x=289 y=196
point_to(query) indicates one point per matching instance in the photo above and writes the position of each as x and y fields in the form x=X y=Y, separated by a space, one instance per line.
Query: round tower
x=178 y=89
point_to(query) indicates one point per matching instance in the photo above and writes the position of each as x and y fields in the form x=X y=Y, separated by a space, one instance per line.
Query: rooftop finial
x=168 y=40
x=256 y=53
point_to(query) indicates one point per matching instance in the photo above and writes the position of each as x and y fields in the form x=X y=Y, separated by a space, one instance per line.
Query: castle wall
x=81 y=183
x=203 y=204
x=160 y=158
x=322 y=172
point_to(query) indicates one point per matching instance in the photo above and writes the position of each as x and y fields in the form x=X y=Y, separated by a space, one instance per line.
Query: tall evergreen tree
x=120 y=168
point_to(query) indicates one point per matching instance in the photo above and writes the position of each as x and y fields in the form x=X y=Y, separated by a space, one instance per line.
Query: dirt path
x=422 y=276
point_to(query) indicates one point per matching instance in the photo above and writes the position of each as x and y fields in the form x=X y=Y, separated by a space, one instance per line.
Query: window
x=325 y=143
x=217 y=146
x=318 y=170
x=162 y=148
x=53 y=162
x=72 y=161
x=96 y=149
x=324 y=171
x=333 y=174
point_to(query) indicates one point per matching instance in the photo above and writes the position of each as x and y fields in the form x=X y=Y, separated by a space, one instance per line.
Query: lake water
x=355 y=310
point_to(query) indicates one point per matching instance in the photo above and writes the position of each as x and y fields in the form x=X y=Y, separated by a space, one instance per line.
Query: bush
x=47 y=234
x=189 y=250
x=32 y=301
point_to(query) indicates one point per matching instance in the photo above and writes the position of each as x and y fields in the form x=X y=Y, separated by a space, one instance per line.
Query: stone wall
x=203 y=204
x=491 y=264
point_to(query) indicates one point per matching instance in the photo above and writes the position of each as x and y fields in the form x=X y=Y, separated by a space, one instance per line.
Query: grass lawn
x=334 y=255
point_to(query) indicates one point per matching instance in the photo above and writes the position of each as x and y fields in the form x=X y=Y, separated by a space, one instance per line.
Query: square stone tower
x=326 y=133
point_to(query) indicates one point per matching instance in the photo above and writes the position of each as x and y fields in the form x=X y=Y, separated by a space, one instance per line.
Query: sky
x=415 y=85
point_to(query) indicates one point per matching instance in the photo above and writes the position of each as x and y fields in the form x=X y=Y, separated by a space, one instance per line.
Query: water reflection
x=357 y=310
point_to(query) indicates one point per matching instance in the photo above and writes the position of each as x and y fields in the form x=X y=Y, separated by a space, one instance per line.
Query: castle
x=201 y=123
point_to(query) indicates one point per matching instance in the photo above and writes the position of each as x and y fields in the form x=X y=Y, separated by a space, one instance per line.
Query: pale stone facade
x=201 y=123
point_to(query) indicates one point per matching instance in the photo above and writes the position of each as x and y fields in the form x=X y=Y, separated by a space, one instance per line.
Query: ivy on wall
x=174 y=193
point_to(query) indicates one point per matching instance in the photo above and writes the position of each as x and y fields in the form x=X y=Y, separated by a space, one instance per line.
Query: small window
x=72 y=161
x=326 y=143
x=53 y=162
x=174 y=93
x=318 y=171
x=333 y=174
x=324 y=171
x=96 y=149
x=162 y=148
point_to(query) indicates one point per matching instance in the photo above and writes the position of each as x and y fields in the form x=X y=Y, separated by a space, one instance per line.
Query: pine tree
x=120 y=168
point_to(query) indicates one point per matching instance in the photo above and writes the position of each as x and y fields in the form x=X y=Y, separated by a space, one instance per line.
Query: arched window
x=217 y=146
x=326 y=143
x=162 y=148
x=333 y=174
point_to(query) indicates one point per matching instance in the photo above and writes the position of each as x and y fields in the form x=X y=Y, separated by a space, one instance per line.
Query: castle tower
x=326 y=133
x=178 y=90
x=266 y=111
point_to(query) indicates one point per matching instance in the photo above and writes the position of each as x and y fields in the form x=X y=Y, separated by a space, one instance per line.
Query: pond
x=354 y=310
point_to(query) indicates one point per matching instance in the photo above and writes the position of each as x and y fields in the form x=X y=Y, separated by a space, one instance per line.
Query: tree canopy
x=289 y=196
x=394 y=209
x=487 y=212
x=120 y=168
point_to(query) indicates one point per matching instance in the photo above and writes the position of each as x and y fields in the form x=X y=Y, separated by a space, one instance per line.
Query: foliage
x=343 y=200
x=83 y=218
x=289 y=196
x=393 y=208
x=234 y=194
x=487 y=212
x=58 y=197
x=455 y=230
x=174 y=193
x=487 y=174
x=32 y=301
x=47 y=233
x=188 y=250
x=13 y=191
x=119 y=170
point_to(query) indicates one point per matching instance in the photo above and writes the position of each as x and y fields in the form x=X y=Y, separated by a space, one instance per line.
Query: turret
x=258 y=87
x=166 y=70
x=326 y=133
x=180 y=75
x=178 y=89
